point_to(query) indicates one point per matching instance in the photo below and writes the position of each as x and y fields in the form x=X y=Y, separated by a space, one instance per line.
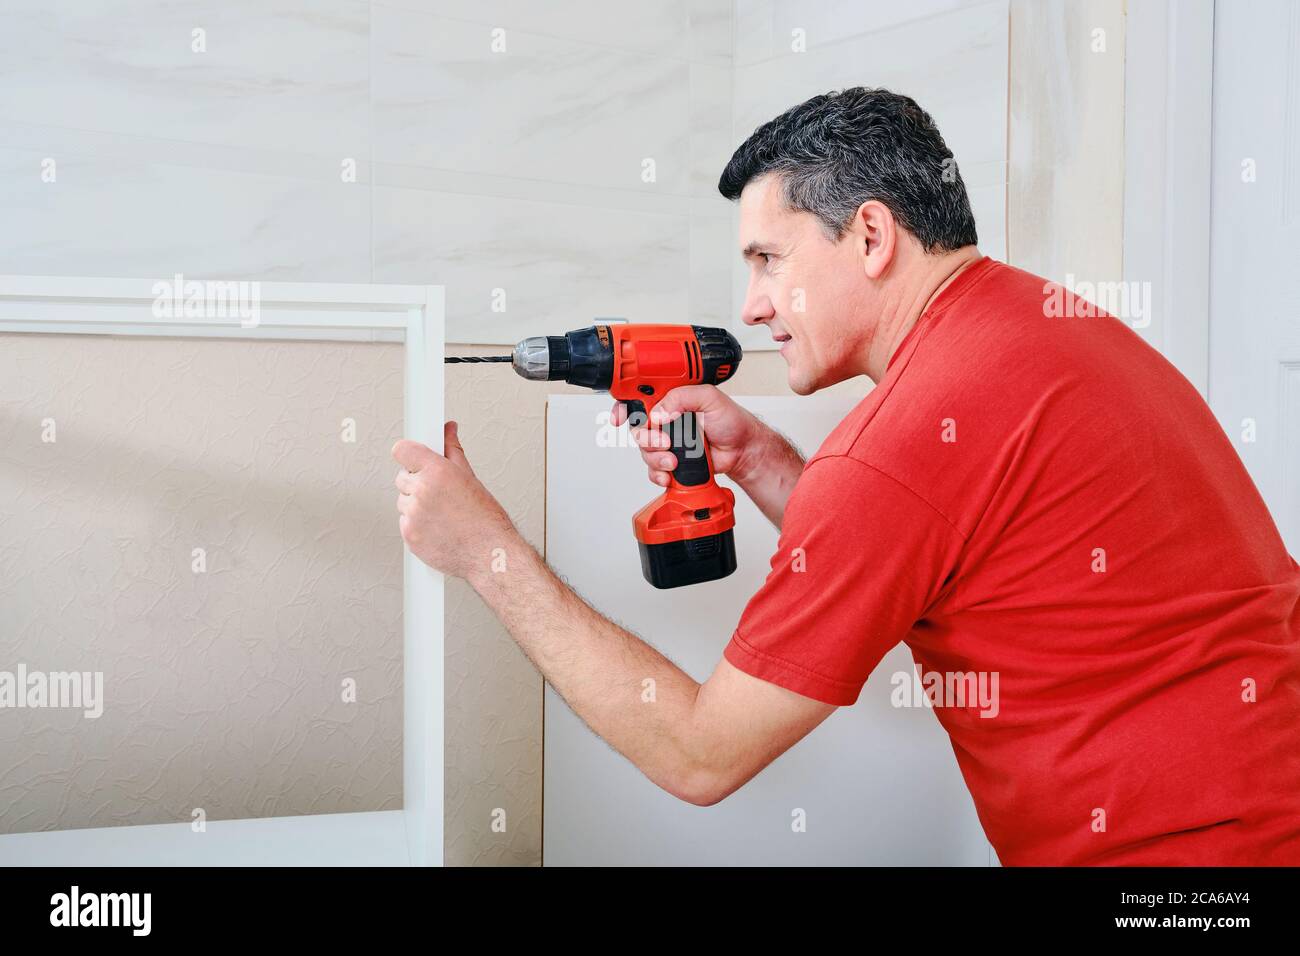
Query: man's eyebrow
x=754 y=248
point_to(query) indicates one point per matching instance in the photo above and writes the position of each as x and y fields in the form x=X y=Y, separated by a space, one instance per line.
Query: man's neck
x=911 y=305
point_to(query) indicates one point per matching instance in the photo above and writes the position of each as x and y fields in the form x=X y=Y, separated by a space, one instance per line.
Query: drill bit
x=478 y=358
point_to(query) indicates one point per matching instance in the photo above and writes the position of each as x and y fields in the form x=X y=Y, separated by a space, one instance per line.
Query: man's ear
x=876 y=233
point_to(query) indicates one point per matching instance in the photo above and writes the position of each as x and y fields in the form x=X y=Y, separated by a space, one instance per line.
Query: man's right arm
x=754 y=455
x=769 y=472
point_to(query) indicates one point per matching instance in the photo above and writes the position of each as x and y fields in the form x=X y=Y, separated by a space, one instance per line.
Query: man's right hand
x=731 y=430
x=742 y=447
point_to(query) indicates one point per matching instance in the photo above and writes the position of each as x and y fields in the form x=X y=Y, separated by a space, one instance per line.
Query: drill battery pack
x=675 y=564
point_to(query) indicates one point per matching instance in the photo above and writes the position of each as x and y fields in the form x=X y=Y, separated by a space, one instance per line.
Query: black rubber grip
x=688 y=443
x=688 y=447
x=636 y=414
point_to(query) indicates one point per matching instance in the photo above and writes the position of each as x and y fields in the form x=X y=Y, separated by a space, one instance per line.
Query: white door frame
x=1168 y=99
x=332 y=312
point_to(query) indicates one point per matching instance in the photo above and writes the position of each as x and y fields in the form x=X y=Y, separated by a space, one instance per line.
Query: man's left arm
x=699 y=742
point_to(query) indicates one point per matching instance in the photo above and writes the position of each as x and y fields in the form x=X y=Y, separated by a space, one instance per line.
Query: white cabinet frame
x=414 y=315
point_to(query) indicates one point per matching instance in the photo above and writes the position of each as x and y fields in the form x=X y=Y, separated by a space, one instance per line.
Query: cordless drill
x=685 y=535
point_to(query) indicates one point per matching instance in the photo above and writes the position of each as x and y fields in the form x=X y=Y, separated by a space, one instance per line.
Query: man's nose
x=757 y=309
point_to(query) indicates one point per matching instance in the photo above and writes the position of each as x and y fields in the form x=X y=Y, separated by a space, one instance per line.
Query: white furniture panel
x=413 y=314
x=879 y=784
x=325 y=839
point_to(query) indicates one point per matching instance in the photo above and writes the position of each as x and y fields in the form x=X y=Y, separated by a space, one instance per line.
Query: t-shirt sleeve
x=859 y=560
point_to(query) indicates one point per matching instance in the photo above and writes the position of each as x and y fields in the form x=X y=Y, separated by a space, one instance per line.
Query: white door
x=1254 y=385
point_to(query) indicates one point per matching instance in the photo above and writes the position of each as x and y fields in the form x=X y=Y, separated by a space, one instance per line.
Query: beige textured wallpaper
x=494 y=696
x=223 y=669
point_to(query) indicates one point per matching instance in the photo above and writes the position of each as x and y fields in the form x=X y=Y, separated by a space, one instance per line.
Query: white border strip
x=329 y=312
x=1168 y=98
x=90 y=306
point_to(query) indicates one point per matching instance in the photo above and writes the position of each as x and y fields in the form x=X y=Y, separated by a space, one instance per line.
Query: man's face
x=809 y=291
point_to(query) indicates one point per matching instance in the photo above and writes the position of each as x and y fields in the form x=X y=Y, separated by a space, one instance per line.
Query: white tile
x=989 y=204
x=710 y=126
x=278 y=74
x=545 y=109
x=658 y=28
x=561 y=266
x=713 y=246
x=765 y=28
x=752 y=28
x=710 y=31
x=122 y=218
x=954 y=66
x=60 y=142
x=534 y=190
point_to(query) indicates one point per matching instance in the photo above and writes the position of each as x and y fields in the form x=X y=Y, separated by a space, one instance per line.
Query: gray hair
x=838 y=150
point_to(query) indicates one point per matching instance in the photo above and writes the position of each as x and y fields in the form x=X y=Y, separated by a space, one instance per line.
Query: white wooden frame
x=332 y=312
x=1168 y=100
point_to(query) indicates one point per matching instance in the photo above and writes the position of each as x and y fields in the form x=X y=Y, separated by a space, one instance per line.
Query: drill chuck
x=532 y=359
x=584 y=358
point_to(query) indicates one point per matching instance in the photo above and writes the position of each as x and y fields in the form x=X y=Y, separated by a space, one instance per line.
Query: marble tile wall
x=499 y=148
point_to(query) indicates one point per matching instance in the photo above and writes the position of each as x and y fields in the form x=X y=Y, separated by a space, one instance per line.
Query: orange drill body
x=685 y=535
x=650 y=361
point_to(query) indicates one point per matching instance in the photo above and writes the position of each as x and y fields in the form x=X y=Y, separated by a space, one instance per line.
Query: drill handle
x=694 y=464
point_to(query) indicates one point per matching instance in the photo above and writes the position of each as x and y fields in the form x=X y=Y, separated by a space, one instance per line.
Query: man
x=1029 y=492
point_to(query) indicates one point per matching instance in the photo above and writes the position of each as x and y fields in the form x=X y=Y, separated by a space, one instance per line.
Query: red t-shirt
x=1045 y=498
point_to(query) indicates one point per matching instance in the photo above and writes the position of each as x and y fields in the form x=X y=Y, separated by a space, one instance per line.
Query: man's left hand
x=447 y=518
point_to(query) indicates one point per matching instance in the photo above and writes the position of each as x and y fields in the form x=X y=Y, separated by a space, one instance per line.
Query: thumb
x=451 y=446
x=413 y=456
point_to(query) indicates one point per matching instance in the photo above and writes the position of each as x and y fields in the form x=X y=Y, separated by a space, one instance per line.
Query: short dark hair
x=838 y=150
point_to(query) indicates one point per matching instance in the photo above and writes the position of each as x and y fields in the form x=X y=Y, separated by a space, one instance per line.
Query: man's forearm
x=770 y=473
x=626 y=691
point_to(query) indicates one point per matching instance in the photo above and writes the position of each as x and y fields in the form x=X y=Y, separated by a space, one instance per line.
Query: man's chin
x=799 y=385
